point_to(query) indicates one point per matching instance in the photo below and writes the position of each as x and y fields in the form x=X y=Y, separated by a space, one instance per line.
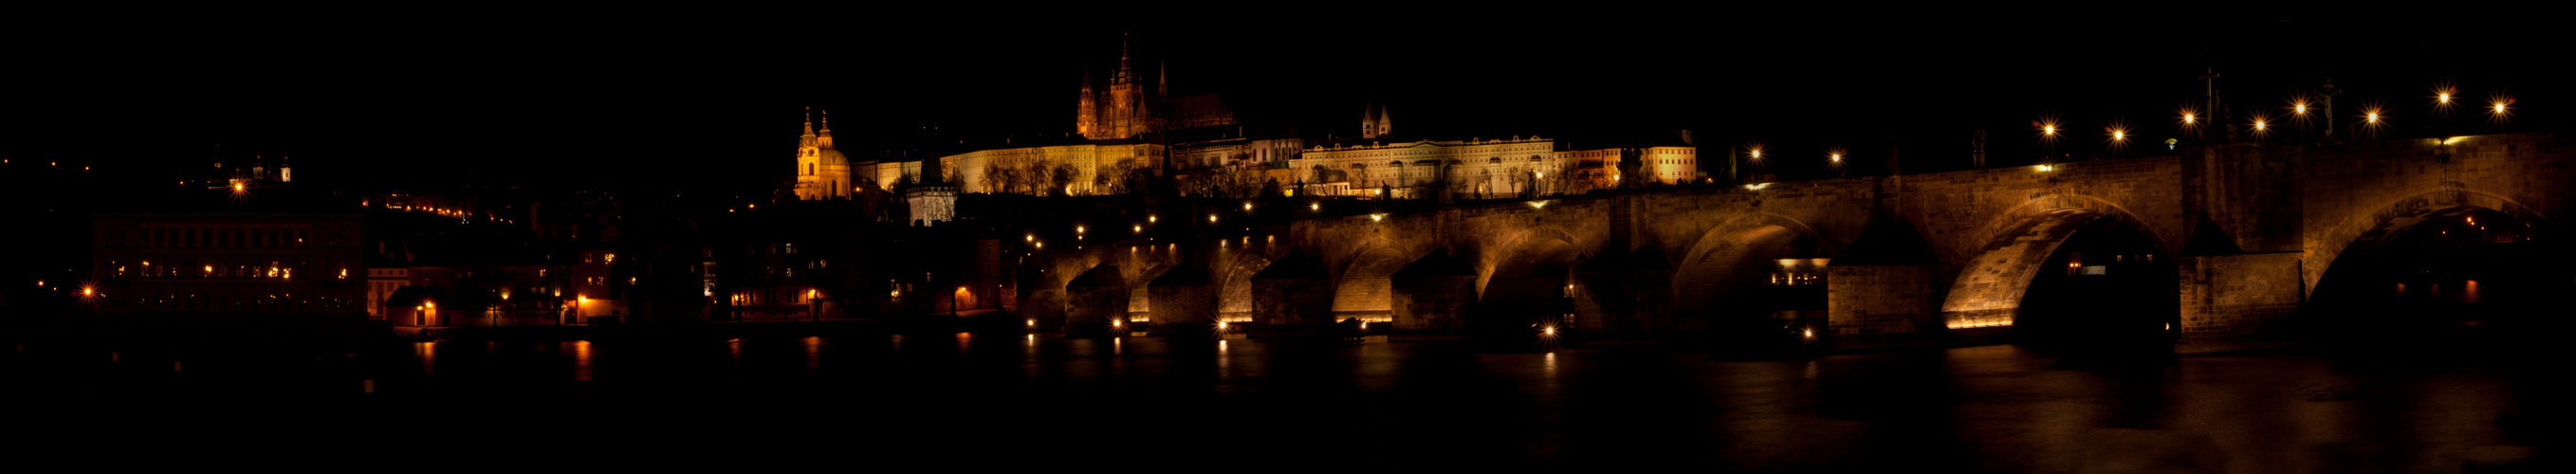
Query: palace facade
x=1483 y=169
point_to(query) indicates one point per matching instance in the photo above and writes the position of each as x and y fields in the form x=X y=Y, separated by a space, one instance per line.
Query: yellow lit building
x=822 y=172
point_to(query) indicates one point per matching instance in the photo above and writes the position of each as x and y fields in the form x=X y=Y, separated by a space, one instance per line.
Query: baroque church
x=822 y=172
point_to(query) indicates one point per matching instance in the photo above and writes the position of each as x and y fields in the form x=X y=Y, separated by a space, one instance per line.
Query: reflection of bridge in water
x=2241 y=235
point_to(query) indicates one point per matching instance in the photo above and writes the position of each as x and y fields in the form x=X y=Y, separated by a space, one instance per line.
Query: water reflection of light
x=428 y=354
x=813 y=352
x=965 y=340
x=581 y=360
x=733 y=347
x=1224 y=364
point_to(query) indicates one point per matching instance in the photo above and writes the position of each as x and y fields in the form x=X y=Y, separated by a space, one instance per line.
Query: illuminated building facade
x=229 y=263
x=1484 y=169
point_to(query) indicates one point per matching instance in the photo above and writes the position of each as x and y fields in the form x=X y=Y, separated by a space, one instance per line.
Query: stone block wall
x=1440 y=302
x=1288 y=302
x=1184 y=304
x=1094 y=304
x=2237 y=302
x=1878 y=305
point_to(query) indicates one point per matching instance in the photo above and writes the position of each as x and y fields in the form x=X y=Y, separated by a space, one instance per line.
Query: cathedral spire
x=1162 y=78
x=809 y=121
x=1124 y=76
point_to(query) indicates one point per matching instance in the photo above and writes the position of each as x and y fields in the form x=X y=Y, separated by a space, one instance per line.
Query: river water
x=996 y=399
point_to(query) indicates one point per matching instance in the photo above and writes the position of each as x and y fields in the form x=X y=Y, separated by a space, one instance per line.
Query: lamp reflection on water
x=428 y=354
x=581 y=360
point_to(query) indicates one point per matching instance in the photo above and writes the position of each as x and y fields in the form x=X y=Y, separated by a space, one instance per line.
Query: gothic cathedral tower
x=1085 y=122
x=1123 y=97
x=1126 y=109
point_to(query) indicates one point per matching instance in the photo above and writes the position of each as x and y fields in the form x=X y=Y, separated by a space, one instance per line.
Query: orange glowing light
x=2117 y=135
x=1315 y=207
x=2186 y=118
x=2444 y=98
x=1211 y=217
x=1550 y=330
x=2373 y=117
x=2258 y=125
x=2048 y=130
x=2301 y=109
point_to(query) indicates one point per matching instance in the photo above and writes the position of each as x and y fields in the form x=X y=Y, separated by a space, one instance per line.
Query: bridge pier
x=1435 y=292
x=1294 y=292
x=1624 y=291
x=1095 y=299
x=1873 y=306
x=2238 y=302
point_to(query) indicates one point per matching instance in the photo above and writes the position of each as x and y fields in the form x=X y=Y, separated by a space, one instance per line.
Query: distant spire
x=1124 y=76
x=1162 y=78
x=809 y=121
x=824 y=140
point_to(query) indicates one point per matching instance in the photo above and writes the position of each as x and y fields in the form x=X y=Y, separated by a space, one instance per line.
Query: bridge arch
x=1994 y=285
x=1234 y=286
x=1364 y=286
x=2440 y=259
x=1523 y=278
x=1515 y=251
x=2368 y=230
x=1735 y=260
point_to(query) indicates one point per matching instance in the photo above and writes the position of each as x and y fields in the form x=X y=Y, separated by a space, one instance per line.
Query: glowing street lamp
x=2299 y=108
x=1315 y=206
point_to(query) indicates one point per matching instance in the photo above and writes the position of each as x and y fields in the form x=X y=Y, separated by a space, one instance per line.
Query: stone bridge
x=2248 y=232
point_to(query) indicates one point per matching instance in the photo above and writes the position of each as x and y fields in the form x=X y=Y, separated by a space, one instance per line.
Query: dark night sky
x=711 y=104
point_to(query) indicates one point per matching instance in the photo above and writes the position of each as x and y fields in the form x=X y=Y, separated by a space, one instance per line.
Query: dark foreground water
x=978 y=401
